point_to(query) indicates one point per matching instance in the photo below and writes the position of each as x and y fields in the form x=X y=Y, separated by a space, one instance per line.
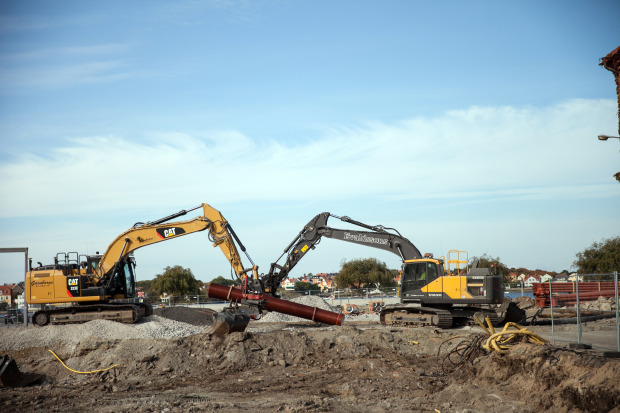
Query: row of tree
x=600 y=257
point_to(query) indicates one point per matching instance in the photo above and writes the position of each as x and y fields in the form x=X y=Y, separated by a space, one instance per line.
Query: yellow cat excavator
x=103 y=286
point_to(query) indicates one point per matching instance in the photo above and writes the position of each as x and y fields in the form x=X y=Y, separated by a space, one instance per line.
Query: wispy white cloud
x=64 y=76
x=66 y=52
x=479 y=154
x=59 y=67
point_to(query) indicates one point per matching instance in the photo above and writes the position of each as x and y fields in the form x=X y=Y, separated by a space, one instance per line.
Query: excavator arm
x=380 y=237
x=143 y=234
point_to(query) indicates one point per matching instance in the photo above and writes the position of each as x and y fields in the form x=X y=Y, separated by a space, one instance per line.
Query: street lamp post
x=604 y=138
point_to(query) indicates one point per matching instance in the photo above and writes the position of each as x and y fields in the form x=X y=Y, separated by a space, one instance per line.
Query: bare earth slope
x=168 y=365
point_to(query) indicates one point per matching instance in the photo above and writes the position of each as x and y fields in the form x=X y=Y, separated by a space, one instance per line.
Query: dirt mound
x=553 y=379
x=301 y=368
x=193 y=316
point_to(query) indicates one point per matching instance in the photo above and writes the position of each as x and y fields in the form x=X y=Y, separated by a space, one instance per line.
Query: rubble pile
x=601 y=304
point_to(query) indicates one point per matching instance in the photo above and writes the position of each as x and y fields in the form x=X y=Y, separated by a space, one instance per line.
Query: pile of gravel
x=193 y=316
x=362 y=317
x=72 y=334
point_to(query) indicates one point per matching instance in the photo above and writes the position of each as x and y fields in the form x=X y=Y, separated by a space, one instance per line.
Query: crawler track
x=404 y=315
x=410 y=315
x=123 y=313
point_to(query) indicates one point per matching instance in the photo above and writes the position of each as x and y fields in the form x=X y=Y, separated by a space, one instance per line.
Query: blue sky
x=465 y=125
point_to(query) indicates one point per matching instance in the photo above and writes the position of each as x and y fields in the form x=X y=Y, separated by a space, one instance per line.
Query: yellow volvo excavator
x=103 y=286
x=429 y=295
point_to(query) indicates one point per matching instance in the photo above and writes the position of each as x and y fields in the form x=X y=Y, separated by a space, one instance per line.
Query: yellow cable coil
x=81 y=372
x=502 y=340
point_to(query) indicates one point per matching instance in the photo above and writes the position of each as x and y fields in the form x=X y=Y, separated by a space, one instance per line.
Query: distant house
x=545 y=278
x=17 y=289
x=288 y=284
x=20 y=300
x=575 y=277
x=6 y=294
x=530 y=280
x=325 y=285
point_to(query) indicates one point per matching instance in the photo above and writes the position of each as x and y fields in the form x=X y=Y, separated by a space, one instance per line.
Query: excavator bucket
x=10 y=376
x=228 y=321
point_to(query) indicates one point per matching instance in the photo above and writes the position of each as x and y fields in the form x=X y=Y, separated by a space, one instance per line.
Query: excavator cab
x=123 y=284
x=92 y=262
x=417 y=274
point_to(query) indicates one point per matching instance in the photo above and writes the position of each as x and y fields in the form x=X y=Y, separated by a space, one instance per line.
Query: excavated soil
x=166 y=364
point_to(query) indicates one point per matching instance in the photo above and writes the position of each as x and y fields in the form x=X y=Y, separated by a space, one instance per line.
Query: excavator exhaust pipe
x=235 y=295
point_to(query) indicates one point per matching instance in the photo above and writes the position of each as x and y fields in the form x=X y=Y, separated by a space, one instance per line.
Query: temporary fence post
x=24 y=293
x=551 y=303
x=617 y=312
x=578 y=312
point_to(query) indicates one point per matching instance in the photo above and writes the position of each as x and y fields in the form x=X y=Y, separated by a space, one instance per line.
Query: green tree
x=486 y=261
x=362 y=273
x=146 y=286
x=224 y=281
x=600 y=257
x=176 y=281
x=304 y=286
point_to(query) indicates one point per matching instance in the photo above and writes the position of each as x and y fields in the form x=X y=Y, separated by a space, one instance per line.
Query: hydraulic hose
x=81 y=372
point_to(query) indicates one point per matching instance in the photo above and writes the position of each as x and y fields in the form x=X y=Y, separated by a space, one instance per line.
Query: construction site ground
x=169 y=363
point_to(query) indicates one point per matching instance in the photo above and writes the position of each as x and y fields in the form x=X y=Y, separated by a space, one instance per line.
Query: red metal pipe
x=275 y=304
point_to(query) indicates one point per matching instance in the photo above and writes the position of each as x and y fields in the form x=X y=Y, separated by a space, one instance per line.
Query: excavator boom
x=143 y=234
x=387 y=239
